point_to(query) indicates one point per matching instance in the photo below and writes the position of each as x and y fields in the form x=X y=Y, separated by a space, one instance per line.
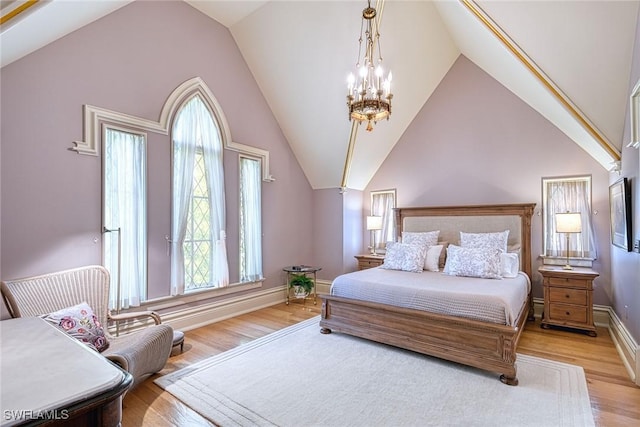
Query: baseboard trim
x=196 y=317
x=185 y=319
x=323 y=287
x=626 y=346
x=189 y=318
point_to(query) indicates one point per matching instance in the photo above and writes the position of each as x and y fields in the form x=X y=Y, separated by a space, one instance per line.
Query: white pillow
x=405 y=257
x=485 y=240
x=473 y=262
x=426 y=238
x=509 y=264
x=432 y=260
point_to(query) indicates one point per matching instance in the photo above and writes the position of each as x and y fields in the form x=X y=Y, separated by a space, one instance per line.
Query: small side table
x=301 y=269
x=568 y=298
x=369 y=261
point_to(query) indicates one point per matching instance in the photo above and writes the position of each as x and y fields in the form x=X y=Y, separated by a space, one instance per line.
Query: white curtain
x=194 y=128
x=185 y=133
x=125 y=209
x=569 y=196
x=382 y=204
x=250 y=220
x=212 y=149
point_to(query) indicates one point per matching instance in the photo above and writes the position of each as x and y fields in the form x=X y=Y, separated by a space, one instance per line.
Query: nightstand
x=369 y=261
x=568 y=298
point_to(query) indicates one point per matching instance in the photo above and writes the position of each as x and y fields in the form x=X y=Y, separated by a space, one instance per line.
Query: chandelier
x=369 y=95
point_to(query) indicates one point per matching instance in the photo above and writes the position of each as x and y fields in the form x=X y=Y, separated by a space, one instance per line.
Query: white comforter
x=489 y=300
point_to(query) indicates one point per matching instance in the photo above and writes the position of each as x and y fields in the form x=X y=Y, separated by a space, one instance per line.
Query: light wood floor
x=614 y=398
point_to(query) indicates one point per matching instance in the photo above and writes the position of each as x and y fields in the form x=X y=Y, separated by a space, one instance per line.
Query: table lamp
x=374 y=223
x=568 y=223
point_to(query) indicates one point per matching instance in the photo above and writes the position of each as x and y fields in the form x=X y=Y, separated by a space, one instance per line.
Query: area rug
x=299 y=377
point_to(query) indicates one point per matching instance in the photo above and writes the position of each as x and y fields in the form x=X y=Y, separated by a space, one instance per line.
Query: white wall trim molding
x=188 y=318
x=626 y=346
x=196 y=317
x=323 y=287
x=94 y=116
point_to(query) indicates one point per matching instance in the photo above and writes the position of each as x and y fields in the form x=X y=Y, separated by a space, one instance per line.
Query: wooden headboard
x=450 y=220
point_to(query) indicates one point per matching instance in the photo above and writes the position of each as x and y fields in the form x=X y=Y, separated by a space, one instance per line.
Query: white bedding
x=489 y=300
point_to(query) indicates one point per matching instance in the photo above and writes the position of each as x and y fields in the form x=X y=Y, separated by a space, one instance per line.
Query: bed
x=487 y=345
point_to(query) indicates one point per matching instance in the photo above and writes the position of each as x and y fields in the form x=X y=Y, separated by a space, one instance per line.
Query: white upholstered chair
x=141 y=353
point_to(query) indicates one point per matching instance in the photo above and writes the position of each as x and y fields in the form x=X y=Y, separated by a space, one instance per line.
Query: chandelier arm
x=347 y=162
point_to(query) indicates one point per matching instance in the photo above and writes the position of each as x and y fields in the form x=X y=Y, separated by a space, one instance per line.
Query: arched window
x=199 y=134
x=198 y=250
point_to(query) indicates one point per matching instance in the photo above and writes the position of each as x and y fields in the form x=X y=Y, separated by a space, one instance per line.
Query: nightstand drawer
x=567 y=313
x=568 y=296
x=369 y=263
x=569 y=282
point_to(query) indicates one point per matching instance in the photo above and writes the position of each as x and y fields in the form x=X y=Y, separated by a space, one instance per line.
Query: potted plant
x=301 y=284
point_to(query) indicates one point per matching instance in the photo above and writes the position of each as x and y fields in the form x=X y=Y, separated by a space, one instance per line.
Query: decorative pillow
x=443 y=255
x=80 y=322
x=509 y=264
x=485 y=240
x=473 y=262
x=405 y=257
x=432 y=258
x=428 y=238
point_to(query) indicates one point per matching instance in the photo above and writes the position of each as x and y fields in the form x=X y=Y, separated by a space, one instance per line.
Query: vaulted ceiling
x=569 y=60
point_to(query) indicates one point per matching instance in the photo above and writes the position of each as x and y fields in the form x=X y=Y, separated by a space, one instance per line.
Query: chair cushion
x=81 y=323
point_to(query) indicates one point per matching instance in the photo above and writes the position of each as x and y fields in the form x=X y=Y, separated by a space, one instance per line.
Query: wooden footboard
x=487 y=346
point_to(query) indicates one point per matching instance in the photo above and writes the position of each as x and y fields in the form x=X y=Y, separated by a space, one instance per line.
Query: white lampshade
x=570 y=222
x=374 y=223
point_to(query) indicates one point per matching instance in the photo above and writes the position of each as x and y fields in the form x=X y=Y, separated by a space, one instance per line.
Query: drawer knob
x=567 y=296
x=567 y=313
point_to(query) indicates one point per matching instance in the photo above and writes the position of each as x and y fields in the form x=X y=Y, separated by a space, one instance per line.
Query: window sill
x=195 y=296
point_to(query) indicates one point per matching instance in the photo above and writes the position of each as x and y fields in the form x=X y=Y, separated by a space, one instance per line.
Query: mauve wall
x=625 y=266
x=475 y=142
x=130 y=61
x=337 y=231
x=354 y=221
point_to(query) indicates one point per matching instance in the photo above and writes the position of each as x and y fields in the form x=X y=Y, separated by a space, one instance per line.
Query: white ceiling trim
x=48 y=22
x=543 y=78
x=479 y=45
